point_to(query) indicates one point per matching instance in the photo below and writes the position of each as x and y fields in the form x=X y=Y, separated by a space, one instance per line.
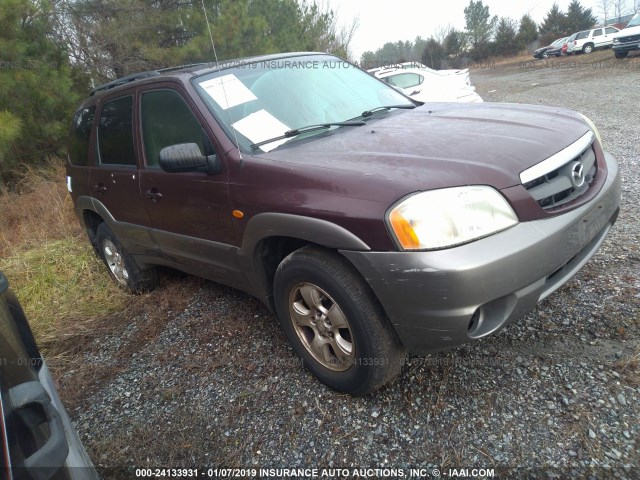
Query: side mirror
x=186 y=157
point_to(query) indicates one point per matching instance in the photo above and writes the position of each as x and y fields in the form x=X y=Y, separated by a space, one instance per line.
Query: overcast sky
x=382 y=21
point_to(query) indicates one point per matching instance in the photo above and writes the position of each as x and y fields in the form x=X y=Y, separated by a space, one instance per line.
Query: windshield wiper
x=309 y=128
x=368 y=113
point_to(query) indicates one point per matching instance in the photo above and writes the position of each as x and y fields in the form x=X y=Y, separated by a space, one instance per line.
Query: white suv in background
x=589 y=40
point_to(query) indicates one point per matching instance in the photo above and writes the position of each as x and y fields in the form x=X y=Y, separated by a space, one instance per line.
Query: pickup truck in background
x=628 y=39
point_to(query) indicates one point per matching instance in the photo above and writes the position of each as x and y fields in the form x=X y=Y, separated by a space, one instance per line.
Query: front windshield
x=262 y=100
x=635 y=21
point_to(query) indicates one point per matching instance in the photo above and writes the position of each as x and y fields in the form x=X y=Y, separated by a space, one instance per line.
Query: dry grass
x=629 y=367
x=48 y=260
x=40 y=211
x=59 y=283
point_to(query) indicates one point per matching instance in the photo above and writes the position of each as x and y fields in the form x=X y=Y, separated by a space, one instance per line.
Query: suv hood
x=441 y=145
x=625 y=32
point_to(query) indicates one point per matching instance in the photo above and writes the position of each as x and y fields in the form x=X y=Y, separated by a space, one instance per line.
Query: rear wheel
x=588 y=48
x=122 y=267
x=335 y=323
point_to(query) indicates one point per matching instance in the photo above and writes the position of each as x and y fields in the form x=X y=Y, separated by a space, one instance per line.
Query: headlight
x=451 y=216
x=594 y=128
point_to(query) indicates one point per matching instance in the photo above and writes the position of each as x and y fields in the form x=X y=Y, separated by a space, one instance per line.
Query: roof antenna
x=215 y=56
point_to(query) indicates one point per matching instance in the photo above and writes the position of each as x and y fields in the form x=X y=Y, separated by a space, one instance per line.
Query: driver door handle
x=153 y=194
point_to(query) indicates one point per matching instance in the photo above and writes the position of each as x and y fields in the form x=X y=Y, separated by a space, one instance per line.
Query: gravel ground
x=208 y=379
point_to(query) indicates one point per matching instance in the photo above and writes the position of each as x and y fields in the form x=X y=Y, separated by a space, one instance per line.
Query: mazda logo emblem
x=577 y=174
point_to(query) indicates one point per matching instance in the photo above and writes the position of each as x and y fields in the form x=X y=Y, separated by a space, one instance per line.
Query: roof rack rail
x=123 y=80
x=139 y=76
x=180 y=67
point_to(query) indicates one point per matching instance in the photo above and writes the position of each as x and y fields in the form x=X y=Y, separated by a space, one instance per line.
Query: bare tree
x=441 y=33
x=605 y=9
x=620 y=8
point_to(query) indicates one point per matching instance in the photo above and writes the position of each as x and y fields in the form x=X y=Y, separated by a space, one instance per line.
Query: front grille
x=631 y=38
x=564 y=177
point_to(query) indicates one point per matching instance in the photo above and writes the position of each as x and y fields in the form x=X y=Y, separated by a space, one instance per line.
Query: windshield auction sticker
x=228 y=91
x=260 y=126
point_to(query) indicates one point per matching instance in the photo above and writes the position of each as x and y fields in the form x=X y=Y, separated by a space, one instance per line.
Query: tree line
x=485 y=35
x=53 y=51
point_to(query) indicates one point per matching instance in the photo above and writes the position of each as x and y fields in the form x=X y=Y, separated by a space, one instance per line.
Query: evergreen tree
x=36 y=97
x=505 y=42
x=369 y=60
x=480 y=27
x=579 y=18
x=114 y=38
x=554 y=25
x=455 y=43
x=419 y=44
x=527 y=32
x=393 y=53
x=433 y=54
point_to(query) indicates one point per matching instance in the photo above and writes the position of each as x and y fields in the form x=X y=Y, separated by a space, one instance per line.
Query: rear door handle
x=100 y=188
x=153 y=194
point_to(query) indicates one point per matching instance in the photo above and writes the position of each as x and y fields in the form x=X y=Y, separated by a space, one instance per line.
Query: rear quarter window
x=80 y=136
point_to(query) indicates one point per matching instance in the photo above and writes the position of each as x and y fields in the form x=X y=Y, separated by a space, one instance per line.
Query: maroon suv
x=373 y=225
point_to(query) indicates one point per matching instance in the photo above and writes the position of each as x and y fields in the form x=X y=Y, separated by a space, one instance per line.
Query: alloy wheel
x=321 y=326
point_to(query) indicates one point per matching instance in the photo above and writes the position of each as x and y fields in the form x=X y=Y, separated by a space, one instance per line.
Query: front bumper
x=626 y=46
x=438 y=299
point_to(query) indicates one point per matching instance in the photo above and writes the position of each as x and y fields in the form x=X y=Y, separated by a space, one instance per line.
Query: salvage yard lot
x=199 y=375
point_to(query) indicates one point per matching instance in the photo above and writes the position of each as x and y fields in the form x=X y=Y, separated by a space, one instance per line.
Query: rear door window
x=115 y=133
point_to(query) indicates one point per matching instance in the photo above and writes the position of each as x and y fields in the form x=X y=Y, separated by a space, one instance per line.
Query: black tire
x=121 y=265
x=545 y=55
x=348 y=343
x=588 y=48
x=621 y=54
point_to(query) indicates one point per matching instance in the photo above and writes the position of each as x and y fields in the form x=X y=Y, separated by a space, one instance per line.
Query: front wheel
x=621 y=54
x=122 y=267
x=335 y=323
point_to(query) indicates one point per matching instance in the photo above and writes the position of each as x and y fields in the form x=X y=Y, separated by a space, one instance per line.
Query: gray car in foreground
x=37 y=440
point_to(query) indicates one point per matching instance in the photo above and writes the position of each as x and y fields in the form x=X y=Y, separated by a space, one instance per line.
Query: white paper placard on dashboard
x=228 y=91
x=260 y=126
